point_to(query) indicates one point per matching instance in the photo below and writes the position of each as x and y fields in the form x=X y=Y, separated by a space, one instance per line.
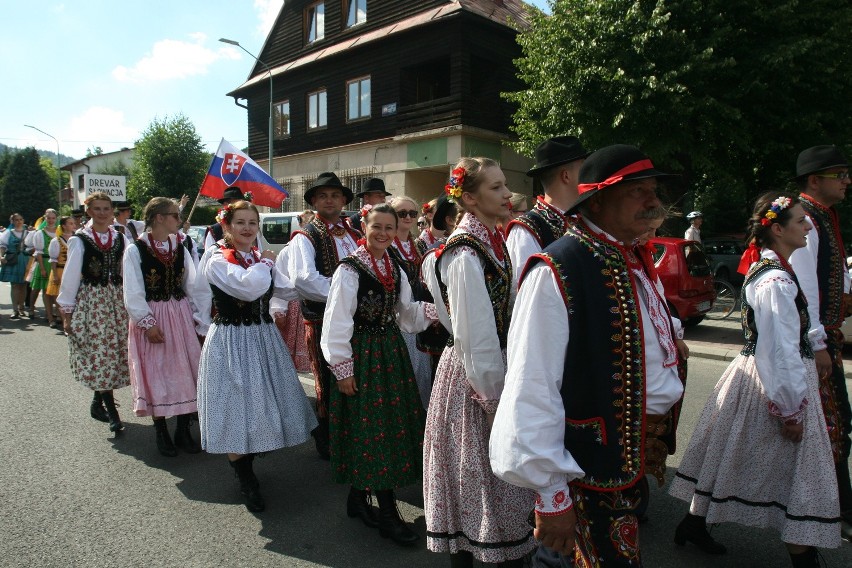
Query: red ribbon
x=749 y=257
x=617 y=176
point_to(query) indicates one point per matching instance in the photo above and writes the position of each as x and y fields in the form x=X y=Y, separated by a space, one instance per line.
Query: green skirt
x=376 y=436
x=40 y=281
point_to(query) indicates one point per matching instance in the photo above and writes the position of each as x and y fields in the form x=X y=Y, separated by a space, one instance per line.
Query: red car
x=685 y=273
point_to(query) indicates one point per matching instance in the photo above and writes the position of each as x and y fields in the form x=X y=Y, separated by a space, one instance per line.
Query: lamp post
x=58 y=171
x=233 y=42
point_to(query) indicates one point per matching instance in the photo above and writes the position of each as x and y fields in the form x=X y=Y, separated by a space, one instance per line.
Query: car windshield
x=696 y=260
x=276 y=231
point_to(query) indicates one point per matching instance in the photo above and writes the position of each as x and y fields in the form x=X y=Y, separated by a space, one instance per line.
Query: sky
x=96 y=73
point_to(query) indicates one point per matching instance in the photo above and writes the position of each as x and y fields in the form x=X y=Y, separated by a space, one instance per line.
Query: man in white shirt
x=822 y=174
x=130 y=228
x=693 y=232
x=592 y=371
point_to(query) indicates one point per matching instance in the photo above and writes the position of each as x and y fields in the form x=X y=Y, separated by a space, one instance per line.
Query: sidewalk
x=722 y=340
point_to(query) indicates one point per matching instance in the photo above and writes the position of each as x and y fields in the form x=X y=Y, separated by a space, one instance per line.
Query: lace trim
x=147 y=322
x=795 y=418
x=555 y=503
x=344 y=369
x=431 y=311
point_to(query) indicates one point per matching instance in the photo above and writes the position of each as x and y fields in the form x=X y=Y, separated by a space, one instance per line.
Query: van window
x=276 y=231
x=696 y=261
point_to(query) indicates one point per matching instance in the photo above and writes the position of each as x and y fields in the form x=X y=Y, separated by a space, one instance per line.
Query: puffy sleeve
x=71 y=276
x=278 y=306
x=302 y=269
x=474 y=328
x=804 y=263
x=203 y=298
x=527 y=445
x=779 y=364
x=53 y=250
x=522 y=244
x=38 y=244
x=247 y=284
x=413 y=317
x=338 y=322
x=4 y=239
x=134 y=290
x=285 y=289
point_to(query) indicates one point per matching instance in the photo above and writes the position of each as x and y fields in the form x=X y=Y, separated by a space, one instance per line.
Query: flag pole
x=192 y=209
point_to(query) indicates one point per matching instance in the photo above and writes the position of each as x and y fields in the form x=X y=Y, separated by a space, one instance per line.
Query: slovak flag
x=230 y=167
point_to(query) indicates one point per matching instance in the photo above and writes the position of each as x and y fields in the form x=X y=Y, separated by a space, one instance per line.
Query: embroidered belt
x=656 y=451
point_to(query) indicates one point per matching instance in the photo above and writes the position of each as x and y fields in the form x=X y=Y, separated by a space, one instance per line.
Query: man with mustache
x=592 y=374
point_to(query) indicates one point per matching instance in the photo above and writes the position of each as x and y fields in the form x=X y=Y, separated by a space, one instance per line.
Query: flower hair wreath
x=454 y=188
x=248 y=196
x=223 y=212
x=426 y=208
x=364 y=210
x=777 y=207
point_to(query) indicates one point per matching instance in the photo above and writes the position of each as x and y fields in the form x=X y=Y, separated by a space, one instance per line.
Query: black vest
x=749 y=327
x=217 y=231
x=325 y=259
x=544 y=223
x=603 y=386
x=831 y=263
x=376 y=311
x=101 y=267
x=434 y=338
x=231 y=311
x=162 y=281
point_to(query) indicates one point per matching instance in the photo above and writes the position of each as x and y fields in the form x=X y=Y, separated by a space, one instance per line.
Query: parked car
x=277 y=228
x=197 y=233
x=724 y=254
x=686 y=277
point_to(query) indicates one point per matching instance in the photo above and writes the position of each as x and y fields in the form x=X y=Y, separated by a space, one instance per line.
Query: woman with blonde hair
x=57 y=252
x=41 y=267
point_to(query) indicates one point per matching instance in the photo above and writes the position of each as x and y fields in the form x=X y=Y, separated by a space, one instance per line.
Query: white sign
x=114 y=186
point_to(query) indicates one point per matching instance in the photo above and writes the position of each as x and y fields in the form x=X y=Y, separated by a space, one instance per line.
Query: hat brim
x=363 y=193
x=539 y=169
x=645 y=174
x=347 y=193
x=820 y=169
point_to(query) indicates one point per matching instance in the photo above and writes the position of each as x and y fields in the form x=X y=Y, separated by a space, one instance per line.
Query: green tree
x=723 y=92
x=170 y=161
x=25 y=187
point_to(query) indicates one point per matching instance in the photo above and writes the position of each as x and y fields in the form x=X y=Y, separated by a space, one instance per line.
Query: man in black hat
x=822 y=174
x=592 y=371
x=215 y=232
x=130 y=228
x=373 y=193
x=313 y=255
x=558 y=162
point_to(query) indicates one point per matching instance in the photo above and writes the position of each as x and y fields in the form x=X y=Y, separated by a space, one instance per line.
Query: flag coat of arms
x=230 y=167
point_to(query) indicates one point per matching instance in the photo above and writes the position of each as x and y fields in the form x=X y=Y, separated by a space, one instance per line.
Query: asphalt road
x=73 y=495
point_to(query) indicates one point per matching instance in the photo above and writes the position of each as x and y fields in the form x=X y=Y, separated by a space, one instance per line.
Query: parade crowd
x=519 y=362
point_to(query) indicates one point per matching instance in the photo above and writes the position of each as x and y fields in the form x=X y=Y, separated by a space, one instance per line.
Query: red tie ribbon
x=617 y=176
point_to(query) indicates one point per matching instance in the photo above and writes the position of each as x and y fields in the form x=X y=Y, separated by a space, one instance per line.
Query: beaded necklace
x=386 y=279
x=410 y=257
x=165 y=258
x=97 y=240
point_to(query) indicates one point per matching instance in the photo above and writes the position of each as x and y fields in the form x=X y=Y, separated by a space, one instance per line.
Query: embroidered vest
x=325 y=260
x=101 y=268
x=62 y=258
x=749 y=327
x=162 y=281
x=434 y=338
x=217 y=231
x=376 y=311
x=831 y=263
x=603 y=387
x=545 y=224
x=232 y=311
x=498 y=280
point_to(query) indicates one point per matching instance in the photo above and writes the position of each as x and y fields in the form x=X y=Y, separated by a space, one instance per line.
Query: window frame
x=276 y=117
x=359 y=81
x=317 y=92
x=347 y=6
x=309 y=17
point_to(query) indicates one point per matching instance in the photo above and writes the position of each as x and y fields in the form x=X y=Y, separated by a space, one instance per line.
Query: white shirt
x=527 y=446
x=693 y=234
x=38 y=241
x=6 y=235
x=53 y=249
x=522 y=244
x=72 y=275
x=134 y=284
x=302 y=268
x=138 y=225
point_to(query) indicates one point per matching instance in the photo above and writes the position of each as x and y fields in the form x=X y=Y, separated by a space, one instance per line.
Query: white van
x=276 y=229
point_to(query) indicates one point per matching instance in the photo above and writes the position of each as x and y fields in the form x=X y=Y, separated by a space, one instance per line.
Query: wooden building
x=387 y=88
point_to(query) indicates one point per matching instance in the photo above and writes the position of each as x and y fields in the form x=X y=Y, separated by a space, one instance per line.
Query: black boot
x=249 y=486
x=359 y=504
x=807 y=559
x=391 y=524
x=461 y=559
x=320 y=435
x=97 y=409
x=164 y=442
x=183 y=437
x=115 y=424
x=694 y=529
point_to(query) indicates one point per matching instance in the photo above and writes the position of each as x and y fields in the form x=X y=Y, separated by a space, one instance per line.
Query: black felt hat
x=373 y=185
x=232 y=192
x=819 y=158
x=122 y=206
x=327 y=179
x=442 y=208
x=612 y=165
x=557 y=151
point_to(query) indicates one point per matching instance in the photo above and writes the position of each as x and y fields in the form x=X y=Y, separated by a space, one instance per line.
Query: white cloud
x=267 y=11
x=98 y=126
x=174 y=59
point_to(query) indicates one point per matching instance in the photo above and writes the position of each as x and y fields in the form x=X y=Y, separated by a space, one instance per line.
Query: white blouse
x=5 y=236
x=302 y=268
x=38 y=241
x=72 y=276
x=134 y=284
x=54 y=248
x=338 y=324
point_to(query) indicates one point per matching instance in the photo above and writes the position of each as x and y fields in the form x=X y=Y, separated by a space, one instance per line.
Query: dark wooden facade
x=441 y=73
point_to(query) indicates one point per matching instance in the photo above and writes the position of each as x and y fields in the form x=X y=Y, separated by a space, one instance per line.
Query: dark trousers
x=322 y=378
x=838 y=415
x=607 y=531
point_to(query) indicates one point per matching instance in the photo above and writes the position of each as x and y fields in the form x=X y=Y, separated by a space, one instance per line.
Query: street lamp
x=58 y=171
x=232 y=42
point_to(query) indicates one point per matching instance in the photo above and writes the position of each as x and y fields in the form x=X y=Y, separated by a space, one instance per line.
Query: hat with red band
x=610 y=166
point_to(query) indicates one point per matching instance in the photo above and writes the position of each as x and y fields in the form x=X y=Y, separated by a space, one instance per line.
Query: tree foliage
x=169 y=161
x=25 y=187
x=724 y=92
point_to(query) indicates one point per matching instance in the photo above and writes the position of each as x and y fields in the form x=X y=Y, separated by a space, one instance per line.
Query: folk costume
x=426 y=239
x=57 y=251
x=468 y=508
x=789 y=486
x=159 y=289
x=12 y=241
x=532 y=232
x=41 y=245
x=289 y=321
x=250 y=399
x=408 y=255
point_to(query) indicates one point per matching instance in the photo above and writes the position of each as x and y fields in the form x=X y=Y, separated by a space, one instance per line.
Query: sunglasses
x=407 y=213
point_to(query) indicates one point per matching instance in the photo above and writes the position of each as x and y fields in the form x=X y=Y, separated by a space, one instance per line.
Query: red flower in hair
x=364 y=210
x=426 y=208
x=361 y=242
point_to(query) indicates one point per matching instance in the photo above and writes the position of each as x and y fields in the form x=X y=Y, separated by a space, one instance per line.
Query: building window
x=356 y=12
x=315 y=22
x=281 y=120
x=317 y=110
x=358 y=99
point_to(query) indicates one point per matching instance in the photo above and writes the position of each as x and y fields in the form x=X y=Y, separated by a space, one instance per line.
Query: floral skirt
x=164 y=375
x=292 y=329
x=467 y=506
x=376 y=435
x=98 y=342
x=738 y=468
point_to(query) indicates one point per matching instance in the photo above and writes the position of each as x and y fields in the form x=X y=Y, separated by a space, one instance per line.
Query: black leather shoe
x=358 y=505
x=115 y=424
x=249 y=486
x=183 y=437
x=320 y=434
x=694 y=529
x=164 y=442
x=391 y=524
x=97 y=410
